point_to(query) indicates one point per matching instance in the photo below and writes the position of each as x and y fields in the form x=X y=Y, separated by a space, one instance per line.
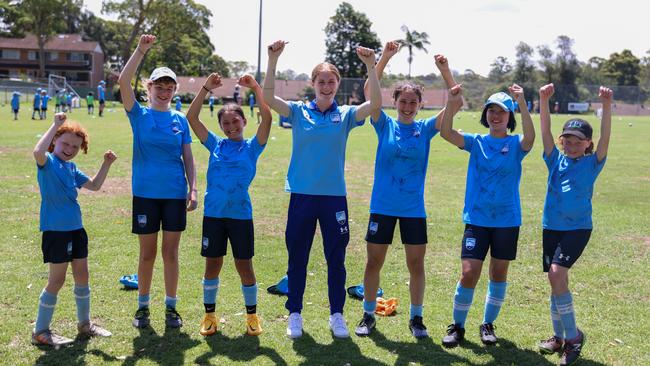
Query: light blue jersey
x=318 y=152
x=493 y=176
x=101 y=92
x=44 y=99
x=158 y=139
x=211 y=101
x=58 y=181
x=179 y=105
x=15 y=101
x=401 y=166
x=231 y=170
x=37 y=101
x=569 y=191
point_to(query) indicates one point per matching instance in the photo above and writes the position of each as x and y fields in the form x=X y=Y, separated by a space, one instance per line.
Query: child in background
x=90 y=102
x=15 y=104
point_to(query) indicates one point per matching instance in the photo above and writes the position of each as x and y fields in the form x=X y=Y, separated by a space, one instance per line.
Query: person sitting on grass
x=228 y=212
x=64 y=239
x=567 y=213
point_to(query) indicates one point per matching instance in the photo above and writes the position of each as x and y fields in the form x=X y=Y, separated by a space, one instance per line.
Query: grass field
x=610 y=282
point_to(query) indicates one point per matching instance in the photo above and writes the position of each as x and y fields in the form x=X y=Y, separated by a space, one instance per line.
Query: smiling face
x=573 y=146
x=161 y=93
x=326 y=85
x=408 y=104
x=497 y=119
x=232 y=124
x=67 y=146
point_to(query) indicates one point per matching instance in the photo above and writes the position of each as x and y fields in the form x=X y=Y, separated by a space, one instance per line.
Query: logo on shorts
x=142 y=220
x=344 y=230
x=205 y=242
x=373 y=227
x=69 y=248
x=340 y=217
x=565 y=257
x=470 y=243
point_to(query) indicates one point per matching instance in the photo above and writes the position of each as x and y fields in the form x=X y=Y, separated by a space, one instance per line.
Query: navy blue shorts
x=501 y=241
x=149 y=213
x=102 y=102
x=413 y=230
x=217 y=232
x=15 y=110
x=563 y=247
x=64 y=246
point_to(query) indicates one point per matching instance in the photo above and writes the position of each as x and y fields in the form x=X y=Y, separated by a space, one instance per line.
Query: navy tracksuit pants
x=331 y=212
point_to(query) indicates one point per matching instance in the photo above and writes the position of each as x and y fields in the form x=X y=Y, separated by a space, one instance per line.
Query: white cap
x=162 y=72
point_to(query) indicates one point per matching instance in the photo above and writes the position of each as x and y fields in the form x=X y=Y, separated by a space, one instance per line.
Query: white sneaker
x=338 y=326
x=294 y=328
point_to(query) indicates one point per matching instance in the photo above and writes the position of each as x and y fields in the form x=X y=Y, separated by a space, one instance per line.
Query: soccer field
x=610 y=282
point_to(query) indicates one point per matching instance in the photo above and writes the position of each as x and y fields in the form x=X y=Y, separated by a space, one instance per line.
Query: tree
x=500 y=69
x=131 y=12
x=591 y=72
x=644 y=75
x=524 y=71
x=217 y=64
x=624 y=69
x=413 y=40
x=547 y=64
x=238 y=68
x=568 y=70
x=344 y=32
x=44 y=18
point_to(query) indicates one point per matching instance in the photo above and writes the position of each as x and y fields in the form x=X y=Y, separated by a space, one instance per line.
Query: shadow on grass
x=340 y=352
x=423 y=351
x=74 y=354
x=241 y=348
x=168 y=349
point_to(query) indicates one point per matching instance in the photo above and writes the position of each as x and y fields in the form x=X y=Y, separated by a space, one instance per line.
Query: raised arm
x=545 y=93
x=443 y=66
x=45 y=141
x=606 y=95
x=454 y=102
x=126 y=90
x=275 y=102
x=390 y=49
x=373 y=105
x=526 y=121
x=96 y=182
x=264 y=129
x=213 y=82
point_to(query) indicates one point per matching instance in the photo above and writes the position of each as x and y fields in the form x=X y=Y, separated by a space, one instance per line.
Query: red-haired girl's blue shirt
x=401 y=166
x=58 y=181
x=569 y=191
x=493 y=177
x=158 y=139
x=318 y=152
x=231 y=169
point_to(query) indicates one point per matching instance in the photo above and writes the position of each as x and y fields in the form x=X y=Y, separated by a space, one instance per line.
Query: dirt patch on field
x=120 y=186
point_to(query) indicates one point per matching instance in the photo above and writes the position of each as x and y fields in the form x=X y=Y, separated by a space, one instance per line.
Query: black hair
x=512 y=122
x=230 y=107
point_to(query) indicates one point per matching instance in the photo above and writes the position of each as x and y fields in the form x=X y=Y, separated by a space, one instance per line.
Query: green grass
x=610 y=281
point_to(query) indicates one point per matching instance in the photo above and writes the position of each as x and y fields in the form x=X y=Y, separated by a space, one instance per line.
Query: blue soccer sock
x=416 y=310
x=250 y=298
x=143 y=301
x=558 y=328
x=462 y=303
x=82 y=298
x=46 y=304
x=369 y=307
x=170 y=301
x=496 y=293
x=564 y=305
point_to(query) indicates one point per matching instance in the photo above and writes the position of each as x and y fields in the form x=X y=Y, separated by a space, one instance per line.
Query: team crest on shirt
x=373 y=227
x=470 y=243
x=205 y=242
x=416 y=133
x=69 y=249
x=142 y=220
x=505 y=149
x=176 y=127
x=335 y=117
x=340 y=217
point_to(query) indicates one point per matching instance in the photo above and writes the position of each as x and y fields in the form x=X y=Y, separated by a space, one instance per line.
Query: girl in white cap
x=567 y=213
x=162 y=168
x=492 y=212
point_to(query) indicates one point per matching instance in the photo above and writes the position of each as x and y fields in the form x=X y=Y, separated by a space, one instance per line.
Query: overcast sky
x=471 y=33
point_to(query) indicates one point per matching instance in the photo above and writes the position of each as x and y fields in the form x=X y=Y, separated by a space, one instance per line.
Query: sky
x=471 y=33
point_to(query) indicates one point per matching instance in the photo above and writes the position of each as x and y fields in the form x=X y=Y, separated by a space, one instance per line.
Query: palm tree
x=414 y=40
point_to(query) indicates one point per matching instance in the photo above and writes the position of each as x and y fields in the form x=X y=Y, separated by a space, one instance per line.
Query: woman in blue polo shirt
x=492 y=212
x=228 y=213
x=567 y=213
x=316 y=180
x=162 y=168
x=398 y=193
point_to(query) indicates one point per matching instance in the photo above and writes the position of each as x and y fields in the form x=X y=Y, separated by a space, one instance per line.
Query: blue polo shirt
x=401 y=166
x=37 y=100
x=569 y=191
x=58 y=181
x=493 y=176
x=318 y=148
x=44 y=99
x=15 y=101
x=100 y=92
x=231 y=169
x=158 y=139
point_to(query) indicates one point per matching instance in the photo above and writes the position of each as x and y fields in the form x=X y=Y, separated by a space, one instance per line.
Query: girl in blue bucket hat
x=492 y=212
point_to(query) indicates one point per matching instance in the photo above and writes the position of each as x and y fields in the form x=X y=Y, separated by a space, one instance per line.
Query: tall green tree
x=499 y=70
x=413 y=40
x=547 y=64
x=623 y=69
x=644 y=75
x=43 y=18
x=524 y=71
x=568 y=70
x=346 y=30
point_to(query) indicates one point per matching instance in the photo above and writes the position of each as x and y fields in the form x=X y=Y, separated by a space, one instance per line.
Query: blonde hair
x=323 y=67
